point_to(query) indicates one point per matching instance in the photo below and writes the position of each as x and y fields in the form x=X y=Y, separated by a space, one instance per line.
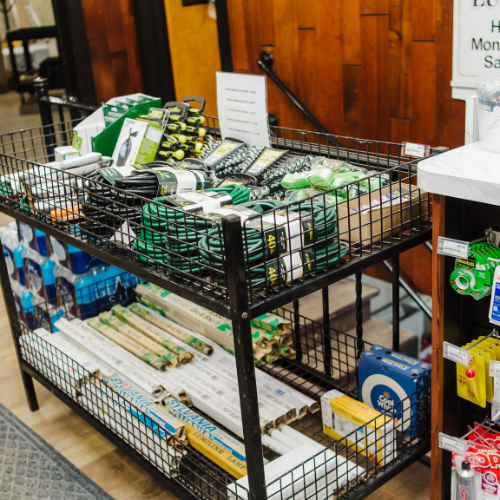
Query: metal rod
x=359 y=313
x=411 y=293
x=15 y=328
x=428 y=244
x=265 y=62
x=296 y=330
x=42 y=89
x=224 y=35
x=482 y=340
x=327 y=340
x=243 y=351
x=395 y=303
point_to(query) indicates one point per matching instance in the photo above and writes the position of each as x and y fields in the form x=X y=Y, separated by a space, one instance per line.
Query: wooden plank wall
x=113 y=47
x=374 y=69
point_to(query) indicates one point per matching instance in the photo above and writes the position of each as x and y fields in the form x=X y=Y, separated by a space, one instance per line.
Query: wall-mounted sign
x=476 y=43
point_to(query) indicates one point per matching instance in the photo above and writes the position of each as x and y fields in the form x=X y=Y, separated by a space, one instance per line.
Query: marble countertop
x=469 y=173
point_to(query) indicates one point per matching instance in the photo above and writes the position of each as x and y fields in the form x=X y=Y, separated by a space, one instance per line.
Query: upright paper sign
x=242 y=108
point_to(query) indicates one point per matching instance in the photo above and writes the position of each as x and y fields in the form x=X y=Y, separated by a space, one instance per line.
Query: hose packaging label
x=267 y=158
x=177 y=181
x=243 y=213
x=285 y=232
x=113 y=173
x=289 y=267
x=200 y=202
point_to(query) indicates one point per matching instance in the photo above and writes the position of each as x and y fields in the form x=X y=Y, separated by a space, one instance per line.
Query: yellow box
x=361 y=426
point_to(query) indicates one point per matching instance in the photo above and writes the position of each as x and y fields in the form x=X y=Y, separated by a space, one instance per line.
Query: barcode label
x=413 y=149
x=455 y=445
x=456 y=354
x=453 y=248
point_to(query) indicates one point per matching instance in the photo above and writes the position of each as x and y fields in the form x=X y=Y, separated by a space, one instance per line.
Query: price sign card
x=416 y=150
x=456 y=354
x=453 y=248
x=453 y=444
x=242 y=108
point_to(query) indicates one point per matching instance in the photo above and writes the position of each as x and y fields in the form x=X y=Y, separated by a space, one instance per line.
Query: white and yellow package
x=471 y=381
x=488 y=381
x=363 y=427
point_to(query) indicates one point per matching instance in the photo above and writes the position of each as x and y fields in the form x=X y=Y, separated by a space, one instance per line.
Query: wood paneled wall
x=112 y=42
x=194 y=49
x=374 y=69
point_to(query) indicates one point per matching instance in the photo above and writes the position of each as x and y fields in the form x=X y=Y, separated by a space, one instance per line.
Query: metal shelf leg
x=395 y=303
x=359 y=313
x=327 y=340
x=243 y=350
x=15 y=328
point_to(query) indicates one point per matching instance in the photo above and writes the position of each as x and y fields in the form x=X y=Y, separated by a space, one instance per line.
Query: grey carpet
x=30 y=468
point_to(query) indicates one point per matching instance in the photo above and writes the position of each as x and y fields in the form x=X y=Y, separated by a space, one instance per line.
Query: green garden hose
x=325 y=227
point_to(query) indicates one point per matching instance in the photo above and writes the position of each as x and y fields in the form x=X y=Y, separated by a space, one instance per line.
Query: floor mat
x=30 y=468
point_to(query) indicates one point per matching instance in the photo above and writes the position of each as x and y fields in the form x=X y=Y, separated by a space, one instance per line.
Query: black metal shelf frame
x=37 y=145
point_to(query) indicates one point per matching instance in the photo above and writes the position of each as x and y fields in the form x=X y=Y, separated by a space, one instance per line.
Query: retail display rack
x=187 y=257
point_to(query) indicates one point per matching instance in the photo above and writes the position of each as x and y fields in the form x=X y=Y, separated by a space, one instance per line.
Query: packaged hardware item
x=370 y=432
x=474 y=275
x=138 y=143
x=392 y=381
x=65 y=152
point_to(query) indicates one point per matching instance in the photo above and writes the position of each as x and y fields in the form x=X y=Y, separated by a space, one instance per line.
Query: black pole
x=395 y=303
x=42 y=89
x=359 y=313
x=15 y=328
x=265 y=63
x=297 y=340
x=5 y=11
x=243 y=351
x=225 y=54
x=327 y=340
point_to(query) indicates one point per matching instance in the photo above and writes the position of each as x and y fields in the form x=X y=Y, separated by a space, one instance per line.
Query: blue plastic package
x=95 y=291
x=27 y=302
x=12 y=251
x=388 y=377
x=76 y=260
x=36 y=239
x=40 y=274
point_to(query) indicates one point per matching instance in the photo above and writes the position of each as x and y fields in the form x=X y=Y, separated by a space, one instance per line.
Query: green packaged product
x=322 y=178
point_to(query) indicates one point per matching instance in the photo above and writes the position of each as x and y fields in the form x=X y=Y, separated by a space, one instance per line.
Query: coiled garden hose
x=180 y=231
x=324 y=223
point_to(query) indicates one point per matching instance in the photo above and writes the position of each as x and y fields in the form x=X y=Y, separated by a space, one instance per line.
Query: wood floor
x=94 y=455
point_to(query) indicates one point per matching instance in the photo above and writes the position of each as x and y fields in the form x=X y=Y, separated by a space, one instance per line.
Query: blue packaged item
x=95 y=291
x=76 y=260
x=40 y=274
x=388 y=377
x=13 y=253
x=26 y=305
x=36 y=239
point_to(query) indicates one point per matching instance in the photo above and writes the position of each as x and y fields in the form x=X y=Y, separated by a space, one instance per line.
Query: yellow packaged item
x=487 y=379
x=471 y=381
x=361 y=426
x=493 y=344
x=213 y=451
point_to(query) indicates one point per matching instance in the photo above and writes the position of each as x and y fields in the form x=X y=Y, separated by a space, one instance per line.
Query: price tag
x=456 y=354
x=453 y=444
x=494 y=368
x=418 y=150
x=124 y=235
x=453 y=248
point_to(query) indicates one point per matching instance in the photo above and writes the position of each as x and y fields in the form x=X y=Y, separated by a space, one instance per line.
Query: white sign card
x=242 y=108
x=476 y=43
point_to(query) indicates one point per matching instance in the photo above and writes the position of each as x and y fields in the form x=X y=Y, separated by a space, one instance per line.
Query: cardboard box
x=386 y=378
x=386 y=212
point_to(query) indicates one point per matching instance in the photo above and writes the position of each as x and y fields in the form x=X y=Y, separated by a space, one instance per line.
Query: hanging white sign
x=476 y=43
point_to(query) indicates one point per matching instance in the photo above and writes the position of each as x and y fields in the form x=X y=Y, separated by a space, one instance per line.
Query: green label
x=77 y=142
x=289 y=267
